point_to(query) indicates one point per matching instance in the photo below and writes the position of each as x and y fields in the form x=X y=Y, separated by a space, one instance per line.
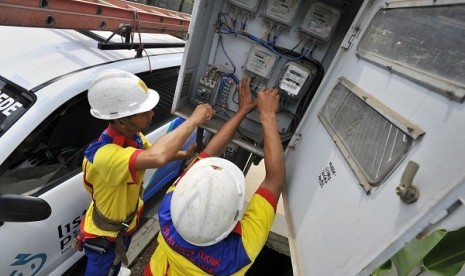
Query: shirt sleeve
x=257 y=221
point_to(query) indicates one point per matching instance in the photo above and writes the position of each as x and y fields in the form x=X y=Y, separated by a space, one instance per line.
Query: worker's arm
x=268 y=101
x=224 y=136
x=185 y=154
x=167 y=147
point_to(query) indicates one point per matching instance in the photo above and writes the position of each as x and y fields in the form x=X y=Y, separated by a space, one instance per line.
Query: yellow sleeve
x=257 y=221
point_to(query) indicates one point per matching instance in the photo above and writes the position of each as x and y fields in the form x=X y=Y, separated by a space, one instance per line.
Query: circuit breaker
x=277 y=43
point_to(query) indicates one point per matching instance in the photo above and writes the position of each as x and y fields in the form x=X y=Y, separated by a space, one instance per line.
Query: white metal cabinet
x=337 y=228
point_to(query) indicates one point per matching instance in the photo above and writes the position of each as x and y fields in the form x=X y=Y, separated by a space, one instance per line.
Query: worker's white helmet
x=208 y=201
x=116 y=94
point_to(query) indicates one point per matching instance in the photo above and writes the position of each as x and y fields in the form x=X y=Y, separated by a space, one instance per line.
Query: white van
x=45 y=125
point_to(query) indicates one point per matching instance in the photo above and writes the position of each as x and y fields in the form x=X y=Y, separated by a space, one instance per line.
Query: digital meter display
x=294 y=80
x=260 y=61
x=251 y=5
x=283 y=11
x=321 y=21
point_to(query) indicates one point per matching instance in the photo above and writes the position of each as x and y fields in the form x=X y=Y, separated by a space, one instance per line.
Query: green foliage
x=413 y=253
x=386 y=267
x=442 y=253
x=448 y=257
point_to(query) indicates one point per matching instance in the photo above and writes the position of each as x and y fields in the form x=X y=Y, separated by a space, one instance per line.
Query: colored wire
x=224 y=28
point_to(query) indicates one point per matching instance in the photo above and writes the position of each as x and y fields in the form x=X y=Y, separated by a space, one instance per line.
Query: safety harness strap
x=112 y=225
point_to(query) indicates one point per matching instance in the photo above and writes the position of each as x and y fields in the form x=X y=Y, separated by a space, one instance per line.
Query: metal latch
x=295 y=141
x=407 y=192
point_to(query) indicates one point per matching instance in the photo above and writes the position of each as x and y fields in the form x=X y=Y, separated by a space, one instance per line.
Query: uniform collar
x=122 y=140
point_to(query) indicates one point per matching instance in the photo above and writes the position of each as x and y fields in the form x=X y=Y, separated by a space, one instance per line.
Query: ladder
x=103 y=15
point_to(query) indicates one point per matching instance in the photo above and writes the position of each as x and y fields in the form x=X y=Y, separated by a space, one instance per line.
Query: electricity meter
x=321 y=20
x=250 y=5
x=260 y=62
x=294 y=80
x=282 y=11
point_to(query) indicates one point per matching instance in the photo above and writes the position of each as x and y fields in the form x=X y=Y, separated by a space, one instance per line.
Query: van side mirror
x=21 y=208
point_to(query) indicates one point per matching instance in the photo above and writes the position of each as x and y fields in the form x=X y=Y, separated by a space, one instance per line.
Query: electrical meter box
x=250 y=5
x=294 y=80
x=264 y=40
x=282 y=11
x=321 y=20
x=260 y=62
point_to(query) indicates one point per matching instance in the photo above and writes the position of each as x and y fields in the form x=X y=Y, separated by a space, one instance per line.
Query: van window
x=372 y=138
x=14 y=101
x=53 y=152
x=56 y=145
x=421 y=43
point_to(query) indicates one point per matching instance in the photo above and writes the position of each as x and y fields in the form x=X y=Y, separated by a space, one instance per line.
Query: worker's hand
x=268 y=101
x=246 y=101
x=190 y=152
x=202 y=113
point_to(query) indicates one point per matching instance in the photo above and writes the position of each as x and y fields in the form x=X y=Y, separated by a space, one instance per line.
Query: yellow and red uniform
x=232 y=256
x=112 y=180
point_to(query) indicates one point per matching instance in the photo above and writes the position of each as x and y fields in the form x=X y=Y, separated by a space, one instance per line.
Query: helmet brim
x=150 y=103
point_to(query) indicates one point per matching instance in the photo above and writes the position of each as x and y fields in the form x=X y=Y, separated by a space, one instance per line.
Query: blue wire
x=265 y=44
x=234 y=77
x=227 y=56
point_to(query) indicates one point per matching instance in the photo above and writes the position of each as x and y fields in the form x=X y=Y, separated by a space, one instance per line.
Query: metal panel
x=335 y=228
x=372 y=137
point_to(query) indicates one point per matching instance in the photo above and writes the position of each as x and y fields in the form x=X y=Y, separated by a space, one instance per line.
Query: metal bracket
x=347 y=44
x=407 y=192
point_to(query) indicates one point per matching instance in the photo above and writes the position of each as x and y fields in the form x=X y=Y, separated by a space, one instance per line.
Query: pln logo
x=26 y=264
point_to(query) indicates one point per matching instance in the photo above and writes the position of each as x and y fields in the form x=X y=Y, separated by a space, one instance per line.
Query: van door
x=381 y=150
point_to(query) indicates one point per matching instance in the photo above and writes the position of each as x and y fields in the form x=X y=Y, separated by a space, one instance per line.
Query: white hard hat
x=208 y=201
x=116 y=94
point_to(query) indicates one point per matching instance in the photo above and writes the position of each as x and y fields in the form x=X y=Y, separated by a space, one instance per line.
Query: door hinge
x=347 y=44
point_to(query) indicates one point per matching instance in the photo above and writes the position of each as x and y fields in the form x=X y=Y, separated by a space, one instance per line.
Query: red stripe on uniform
x=87 y=183
x=147 y=271
x=266 y=194
x=238 y=229
x=132 y=166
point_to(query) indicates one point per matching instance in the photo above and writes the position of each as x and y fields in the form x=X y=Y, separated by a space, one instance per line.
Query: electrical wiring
x=224 y=28
x=293 y=125
x=234 y=98
x=271 y=34
x=232 y=74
